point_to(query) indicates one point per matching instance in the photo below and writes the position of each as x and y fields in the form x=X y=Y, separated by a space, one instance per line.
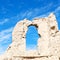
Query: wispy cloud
x=5 y=34
x=1 y=50
x=4 y=21
x=31 y=13
x=5 y=39
x=57 y=11
x=34 y=12
x=43 y=15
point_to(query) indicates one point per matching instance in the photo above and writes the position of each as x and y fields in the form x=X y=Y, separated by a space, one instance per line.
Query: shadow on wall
x=32 y=38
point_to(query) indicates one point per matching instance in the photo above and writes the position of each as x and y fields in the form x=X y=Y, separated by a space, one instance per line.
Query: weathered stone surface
x=48 y=47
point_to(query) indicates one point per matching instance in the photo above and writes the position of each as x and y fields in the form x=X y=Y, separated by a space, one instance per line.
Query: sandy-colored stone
x=48 y=47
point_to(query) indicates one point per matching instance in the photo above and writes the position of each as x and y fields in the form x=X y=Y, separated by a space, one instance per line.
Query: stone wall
x=48 y=47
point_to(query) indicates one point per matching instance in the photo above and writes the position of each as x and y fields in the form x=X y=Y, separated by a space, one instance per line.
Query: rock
x=48 y=47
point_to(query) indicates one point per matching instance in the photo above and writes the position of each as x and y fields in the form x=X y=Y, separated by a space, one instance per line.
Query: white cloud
x=33 y=12
x=57 y=11
x=5 y=34
x=4 y=21
x=2 y=49
x=43 y=15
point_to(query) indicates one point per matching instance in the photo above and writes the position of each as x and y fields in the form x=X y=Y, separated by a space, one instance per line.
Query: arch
x=19 y=35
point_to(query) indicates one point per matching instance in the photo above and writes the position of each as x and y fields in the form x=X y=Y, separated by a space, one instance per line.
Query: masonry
x=48 y=47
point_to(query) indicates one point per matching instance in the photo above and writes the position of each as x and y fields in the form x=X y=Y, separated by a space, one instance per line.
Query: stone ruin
x=48 y=46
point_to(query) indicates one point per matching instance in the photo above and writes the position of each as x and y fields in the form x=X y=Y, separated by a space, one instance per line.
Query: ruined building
x=48 y=46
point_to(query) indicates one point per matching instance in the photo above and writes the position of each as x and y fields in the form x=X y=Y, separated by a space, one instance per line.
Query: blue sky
x=12 y=11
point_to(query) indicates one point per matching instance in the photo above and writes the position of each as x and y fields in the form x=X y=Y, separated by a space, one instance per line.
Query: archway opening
x=31 y=38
